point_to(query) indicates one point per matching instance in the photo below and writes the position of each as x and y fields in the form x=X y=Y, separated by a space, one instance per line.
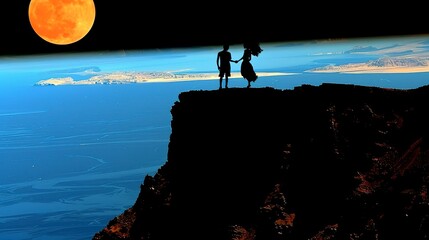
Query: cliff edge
x=317 y=162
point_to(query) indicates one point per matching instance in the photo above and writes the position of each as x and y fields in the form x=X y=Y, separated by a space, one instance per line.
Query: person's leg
x=220 y=83
x=248 y=84
x=226 y=81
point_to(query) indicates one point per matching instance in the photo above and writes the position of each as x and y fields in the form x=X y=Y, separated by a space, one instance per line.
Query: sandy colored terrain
x=127 y=77
x=367 y=68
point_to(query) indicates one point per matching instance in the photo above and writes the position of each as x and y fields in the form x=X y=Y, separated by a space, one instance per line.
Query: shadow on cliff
x=327 y=162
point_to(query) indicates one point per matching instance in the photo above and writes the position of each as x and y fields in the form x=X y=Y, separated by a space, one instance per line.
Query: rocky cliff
x=316 y=162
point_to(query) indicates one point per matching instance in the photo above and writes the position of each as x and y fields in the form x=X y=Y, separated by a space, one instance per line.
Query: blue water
x=73 y=157
x=386 y=80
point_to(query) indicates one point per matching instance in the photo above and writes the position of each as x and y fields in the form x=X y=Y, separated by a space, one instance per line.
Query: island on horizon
x=144 y=77
x=381 y=65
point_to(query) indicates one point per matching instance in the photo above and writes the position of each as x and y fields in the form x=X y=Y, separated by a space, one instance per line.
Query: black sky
x=138 y=24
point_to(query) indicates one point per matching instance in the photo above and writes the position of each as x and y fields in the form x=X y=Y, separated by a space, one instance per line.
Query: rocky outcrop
x=316 y=162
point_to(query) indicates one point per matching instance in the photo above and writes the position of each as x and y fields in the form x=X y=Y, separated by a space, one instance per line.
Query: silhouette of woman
x=247 y=70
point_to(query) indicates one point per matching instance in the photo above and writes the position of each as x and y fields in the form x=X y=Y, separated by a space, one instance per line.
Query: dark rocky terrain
x=316 y=162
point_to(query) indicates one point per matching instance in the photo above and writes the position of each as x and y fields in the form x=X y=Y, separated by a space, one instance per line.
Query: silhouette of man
x=223 y=64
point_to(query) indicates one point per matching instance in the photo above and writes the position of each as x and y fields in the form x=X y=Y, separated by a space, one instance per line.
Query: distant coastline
x=381 y=65
x=144 y=77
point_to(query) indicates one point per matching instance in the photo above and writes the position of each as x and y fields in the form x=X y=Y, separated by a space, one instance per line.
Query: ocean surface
x=73 y=157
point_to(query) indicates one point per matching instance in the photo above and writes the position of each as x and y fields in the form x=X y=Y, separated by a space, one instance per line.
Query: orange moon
x=61 y=22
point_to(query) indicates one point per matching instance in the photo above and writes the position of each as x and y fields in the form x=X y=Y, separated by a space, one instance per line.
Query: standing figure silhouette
x=223 y=64
x=247 y=70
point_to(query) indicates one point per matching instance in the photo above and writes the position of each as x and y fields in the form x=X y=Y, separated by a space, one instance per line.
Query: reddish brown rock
x=316 y=162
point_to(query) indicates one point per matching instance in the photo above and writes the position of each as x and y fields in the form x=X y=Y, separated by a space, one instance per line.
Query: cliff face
x=327 y=162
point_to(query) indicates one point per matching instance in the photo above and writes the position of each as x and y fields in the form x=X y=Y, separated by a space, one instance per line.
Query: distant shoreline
x=374 y=70
x=144 y=77
x=381 y=65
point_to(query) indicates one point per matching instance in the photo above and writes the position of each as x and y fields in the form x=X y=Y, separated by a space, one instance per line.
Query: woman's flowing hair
x=254 y=48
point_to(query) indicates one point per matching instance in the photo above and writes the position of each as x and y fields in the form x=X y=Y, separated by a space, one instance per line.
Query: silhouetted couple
x=224 y=60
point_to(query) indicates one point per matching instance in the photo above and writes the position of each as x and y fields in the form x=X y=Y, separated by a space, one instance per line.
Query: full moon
x=61 y=22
